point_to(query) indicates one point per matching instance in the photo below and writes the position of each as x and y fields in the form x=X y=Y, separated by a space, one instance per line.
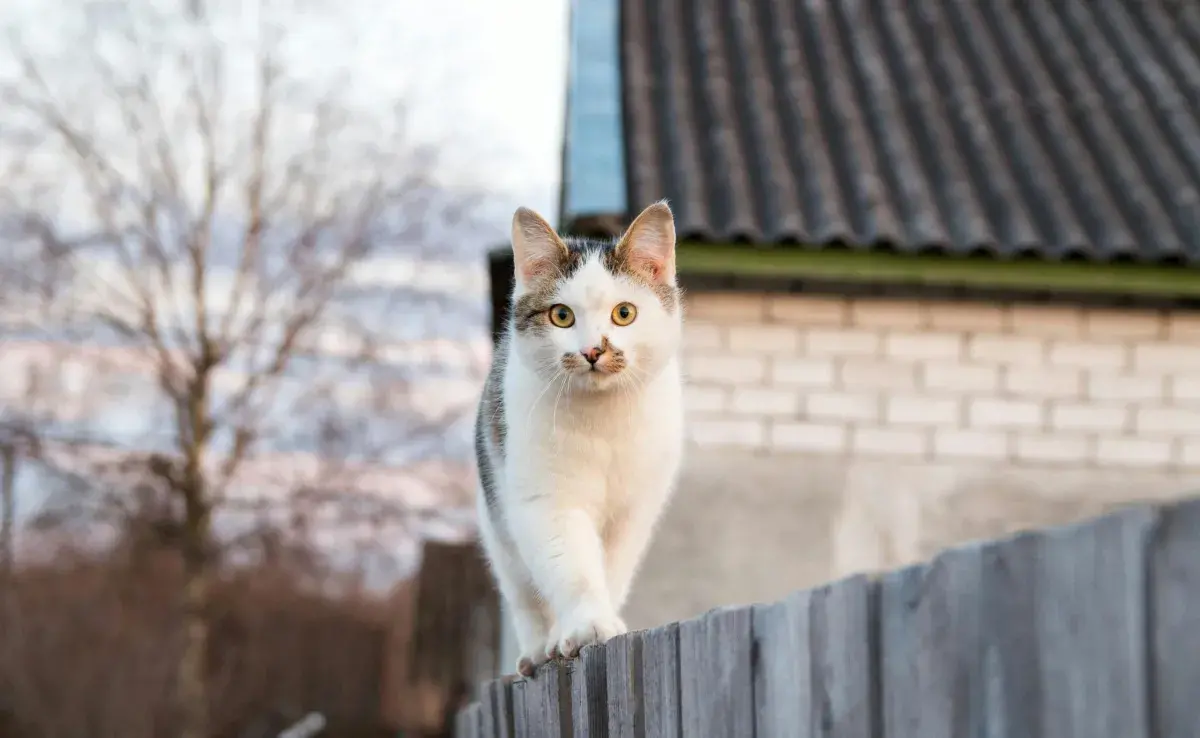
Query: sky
x=507 y=61
x=486 y=79
x=488 y=76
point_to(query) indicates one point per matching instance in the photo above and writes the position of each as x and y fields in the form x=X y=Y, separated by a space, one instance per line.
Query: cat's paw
x=528 y=663
x=582 y=628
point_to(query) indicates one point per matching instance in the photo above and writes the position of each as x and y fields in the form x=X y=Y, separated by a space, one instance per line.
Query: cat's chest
x=629 y=446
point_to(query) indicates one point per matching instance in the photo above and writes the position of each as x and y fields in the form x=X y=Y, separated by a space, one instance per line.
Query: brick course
x=1027 y=385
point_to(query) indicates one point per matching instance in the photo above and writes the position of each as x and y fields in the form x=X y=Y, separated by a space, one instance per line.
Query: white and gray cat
x=579 y=436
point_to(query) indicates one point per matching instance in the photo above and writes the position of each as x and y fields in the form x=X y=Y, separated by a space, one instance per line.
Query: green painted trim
x=869 y=267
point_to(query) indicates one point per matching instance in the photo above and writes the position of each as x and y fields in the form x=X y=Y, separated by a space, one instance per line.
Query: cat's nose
x=592 y=354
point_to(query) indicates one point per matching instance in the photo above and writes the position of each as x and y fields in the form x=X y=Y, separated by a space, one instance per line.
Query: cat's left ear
x=648 y=246
x=537 y=249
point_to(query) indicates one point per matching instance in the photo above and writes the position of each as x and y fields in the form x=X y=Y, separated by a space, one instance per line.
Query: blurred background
x=253 y=257
x=243 y=322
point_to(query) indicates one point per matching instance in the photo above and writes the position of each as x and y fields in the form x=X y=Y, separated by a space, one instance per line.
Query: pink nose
x=592 y=354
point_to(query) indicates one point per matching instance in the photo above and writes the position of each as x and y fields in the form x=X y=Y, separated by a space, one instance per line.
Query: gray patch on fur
x=491 y=427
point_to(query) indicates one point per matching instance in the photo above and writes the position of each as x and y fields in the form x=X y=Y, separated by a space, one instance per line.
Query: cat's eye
x=562 y=316
x=624 y=314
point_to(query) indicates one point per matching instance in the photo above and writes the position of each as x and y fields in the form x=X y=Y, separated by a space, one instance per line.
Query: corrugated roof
x=1065 y=128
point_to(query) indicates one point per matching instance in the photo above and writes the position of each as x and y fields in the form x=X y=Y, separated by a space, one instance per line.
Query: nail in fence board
x=623 y=677
x=589 y=694
x=716 y=680
x=660 y=710
x=1175 y=588
x=814 y=671
x=1038 y=635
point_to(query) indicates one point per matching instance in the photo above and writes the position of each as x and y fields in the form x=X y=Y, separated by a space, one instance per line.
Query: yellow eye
x=562 y=316
x=624 y=314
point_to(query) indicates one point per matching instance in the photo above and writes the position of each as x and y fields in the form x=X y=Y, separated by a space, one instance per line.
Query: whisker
x=541 y=394
x=554 y=413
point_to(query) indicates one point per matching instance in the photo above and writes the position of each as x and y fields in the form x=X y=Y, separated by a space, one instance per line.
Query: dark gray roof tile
x=1060 y=129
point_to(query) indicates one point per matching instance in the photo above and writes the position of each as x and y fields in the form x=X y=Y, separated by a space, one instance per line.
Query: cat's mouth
x=608 y=364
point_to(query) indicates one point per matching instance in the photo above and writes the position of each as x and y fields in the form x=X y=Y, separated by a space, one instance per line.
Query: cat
x=579 y=432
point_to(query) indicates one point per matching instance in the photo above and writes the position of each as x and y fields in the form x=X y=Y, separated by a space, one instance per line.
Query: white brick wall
x=1024 y=384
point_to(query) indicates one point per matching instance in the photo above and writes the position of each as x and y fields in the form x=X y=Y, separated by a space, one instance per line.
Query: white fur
x=589 y=466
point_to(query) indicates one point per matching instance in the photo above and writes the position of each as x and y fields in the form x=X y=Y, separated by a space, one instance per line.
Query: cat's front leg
x=561 y=545
x=531 y=619
x=625 y=542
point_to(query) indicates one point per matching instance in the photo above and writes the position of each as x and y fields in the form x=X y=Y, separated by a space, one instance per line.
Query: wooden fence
x=1083 y=631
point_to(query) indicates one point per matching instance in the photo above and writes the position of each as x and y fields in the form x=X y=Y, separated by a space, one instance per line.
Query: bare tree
x=187 y=193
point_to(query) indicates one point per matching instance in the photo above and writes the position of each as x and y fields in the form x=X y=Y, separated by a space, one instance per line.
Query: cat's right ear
x=537 y=249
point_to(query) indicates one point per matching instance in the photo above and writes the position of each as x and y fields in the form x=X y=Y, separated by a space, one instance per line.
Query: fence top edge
x=1142 y=515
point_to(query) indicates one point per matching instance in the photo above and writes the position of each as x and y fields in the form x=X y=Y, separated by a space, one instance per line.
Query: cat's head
x=596 y=314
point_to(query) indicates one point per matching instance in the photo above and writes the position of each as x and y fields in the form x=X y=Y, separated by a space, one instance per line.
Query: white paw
x=583 y=627
x=529 y=662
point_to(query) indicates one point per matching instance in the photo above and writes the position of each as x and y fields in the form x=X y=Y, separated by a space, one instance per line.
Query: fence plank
x=623 y=676
x=1091 y=627
x=814 y=675
x=1175 y=587
x=497 y=715
x=468 y=722
x=1009 y=660
x=661 y=691
x=715 y=658
x=1041 y=634
x=548 y=702
x=520 y=711
x=929 y=629
x=589 y=694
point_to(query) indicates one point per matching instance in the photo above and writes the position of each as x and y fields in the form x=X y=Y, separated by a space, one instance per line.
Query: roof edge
x=593 y=158
x=500 y=266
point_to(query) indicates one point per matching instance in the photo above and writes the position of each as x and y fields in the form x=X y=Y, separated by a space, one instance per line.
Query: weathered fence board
x=623 y=682
x=589 y=694
x=929 y=637
x=469 y=723
x=1092 y=627
x=548 y=702
x=716 y=677
x=521 y=726
x=813 y=675
x=1082 y=631
x=1042 y=634
x=1175 y=609
x=661 y=703
x=497 y=717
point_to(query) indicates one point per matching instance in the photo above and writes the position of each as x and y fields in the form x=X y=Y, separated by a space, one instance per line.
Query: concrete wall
x=833 y=436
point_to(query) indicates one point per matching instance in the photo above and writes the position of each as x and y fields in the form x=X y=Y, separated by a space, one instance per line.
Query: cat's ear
x=537 y=249
x=648 y=246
